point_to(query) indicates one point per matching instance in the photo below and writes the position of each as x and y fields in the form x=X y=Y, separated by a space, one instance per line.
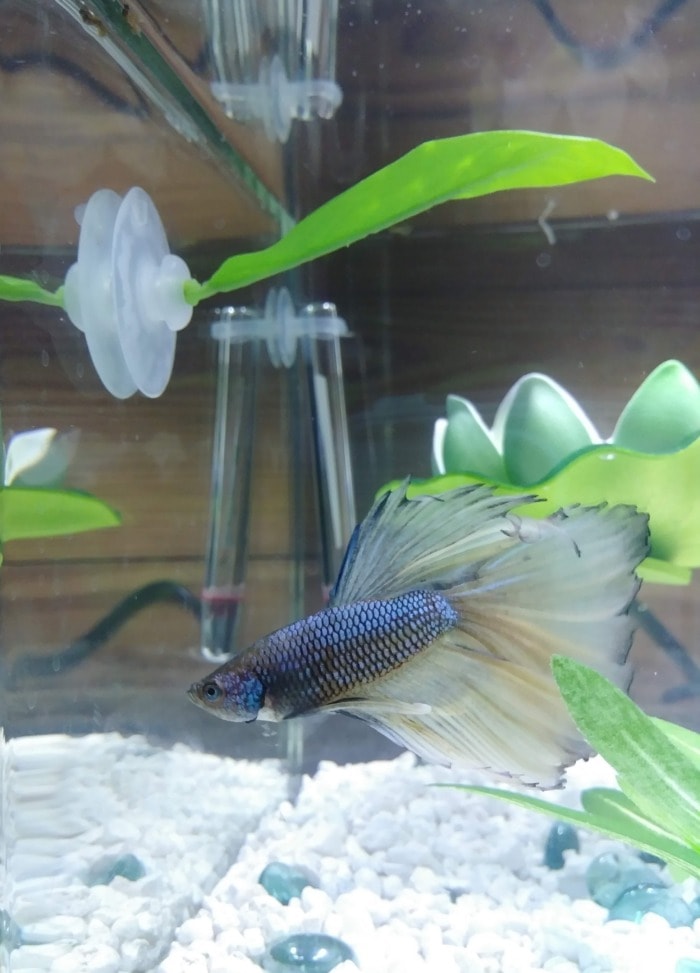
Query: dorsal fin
x=424 y=542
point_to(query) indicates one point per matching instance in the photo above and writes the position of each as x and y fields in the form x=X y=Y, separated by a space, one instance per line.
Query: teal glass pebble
x=285 y=882
x=562 y=837
x=637 y=902
x=10 y=933
x=694 y=906
x=611 y=875
x=307 y=953
x=687 y=965
x=105 y=870
x=674 y=910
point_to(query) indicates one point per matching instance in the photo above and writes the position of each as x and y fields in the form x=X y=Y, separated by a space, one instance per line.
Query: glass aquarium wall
x=188 y=441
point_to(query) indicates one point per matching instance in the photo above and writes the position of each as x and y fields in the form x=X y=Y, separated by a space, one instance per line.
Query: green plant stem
x=19 y=289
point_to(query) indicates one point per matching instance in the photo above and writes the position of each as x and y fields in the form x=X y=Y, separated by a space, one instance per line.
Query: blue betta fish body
x=442 y=625
x=321 y=659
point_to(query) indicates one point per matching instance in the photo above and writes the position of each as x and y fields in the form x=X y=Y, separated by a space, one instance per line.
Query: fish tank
x=269 y=270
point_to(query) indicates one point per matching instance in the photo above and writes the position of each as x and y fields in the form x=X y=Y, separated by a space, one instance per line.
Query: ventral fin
x=378 y=708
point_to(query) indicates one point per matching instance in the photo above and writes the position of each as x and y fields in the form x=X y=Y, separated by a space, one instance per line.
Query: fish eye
x=211 y=692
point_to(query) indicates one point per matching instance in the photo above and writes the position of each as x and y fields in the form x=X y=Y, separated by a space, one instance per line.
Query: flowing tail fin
x=562 y=585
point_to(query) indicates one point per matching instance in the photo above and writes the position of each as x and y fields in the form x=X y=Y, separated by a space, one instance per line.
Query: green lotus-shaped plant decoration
x=543 y=441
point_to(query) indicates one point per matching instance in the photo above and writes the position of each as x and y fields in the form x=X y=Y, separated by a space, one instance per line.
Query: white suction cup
x=148 y=292
x=126 y=292
x=88 y=292
x=279 y=325
x=276 y=101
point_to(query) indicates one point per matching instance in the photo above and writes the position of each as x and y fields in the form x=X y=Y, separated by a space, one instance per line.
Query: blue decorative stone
x=285 y=882
x=611 y=875
x=562 y=837
x=694 y=907
x=636 y=902
x=307 y=953
x=674 y=910
x=688 y=965
x=10 y=933
x=105 y=870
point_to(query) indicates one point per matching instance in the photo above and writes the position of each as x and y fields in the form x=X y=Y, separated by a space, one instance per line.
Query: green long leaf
x=686 y=740
x=462 y=167
x=618 y=812
x=652 y=771
x=31 y=512
x=606 y=812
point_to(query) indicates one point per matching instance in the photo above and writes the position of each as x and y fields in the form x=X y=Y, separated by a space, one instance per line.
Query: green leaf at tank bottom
x=610 y=813
x=658 y=806
x=653 y=773
x=462 y=167
x=666 y=486
x=686 y=740
x=27 y=512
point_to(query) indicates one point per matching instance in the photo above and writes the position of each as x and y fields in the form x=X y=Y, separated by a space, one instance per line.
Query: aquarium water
x=194 y=416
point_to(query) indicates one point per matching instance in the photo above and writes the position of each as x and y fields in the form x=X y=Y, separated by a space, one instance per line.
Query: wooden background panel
x=471 y=312
x=440 y=69
x=150 y=459
x=72 y=123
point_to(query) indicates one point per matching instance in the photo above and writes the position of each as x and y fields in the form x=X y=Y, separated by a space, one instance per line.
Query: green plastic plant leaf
x=610 y=813
x=462 y=167
x=654 y=773
x=686 y=740
x=27 y=512
x=658 y=807
x=664 y=486
x=619 y=813
x=465 y=434
x=663 y=415
x=18 y=289
x=539 y=423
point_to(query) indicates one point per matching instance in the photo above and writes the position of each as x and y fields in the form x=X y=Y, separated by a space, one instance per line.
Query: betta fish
x=441 y=626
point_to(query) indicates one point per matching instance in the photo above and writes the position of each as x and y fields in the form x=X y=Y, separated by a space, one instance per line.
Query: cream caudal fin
x=535 y=588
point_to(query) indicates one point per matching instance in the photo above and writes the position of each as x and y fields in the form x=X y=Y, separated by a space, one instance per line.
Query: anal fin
x=482 y=713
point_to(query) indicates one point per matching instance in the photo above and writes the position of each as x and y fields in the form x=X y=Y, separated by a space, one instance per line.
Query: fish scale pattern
x=326 y=656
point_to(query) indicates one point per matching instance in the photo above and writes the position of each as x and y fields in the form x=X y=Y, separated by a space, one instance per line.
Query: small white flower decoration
x=39 y=458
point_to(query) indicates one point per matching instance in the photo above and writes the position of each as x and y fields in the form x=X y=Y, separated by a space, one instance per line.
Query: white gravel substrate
x=387 y=849
x=72 y=802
